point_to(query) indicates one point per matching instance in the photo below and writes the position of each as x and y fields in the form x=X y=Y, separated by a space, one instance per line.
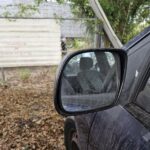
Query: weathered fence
x=29 y=42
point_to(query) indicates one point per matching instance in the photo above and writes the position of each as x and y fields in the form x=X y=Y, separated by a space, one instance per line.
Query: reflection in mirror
x=90 y=80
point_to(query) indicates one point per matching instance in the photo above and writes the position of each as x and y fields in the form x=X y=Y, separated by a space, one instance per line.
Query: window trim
x=136 y=110
x=141 y=85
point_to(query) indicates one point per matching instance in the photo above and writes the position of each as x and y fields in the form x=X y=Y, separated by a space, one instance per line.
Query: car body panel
x=116 y=129
x=83 y=126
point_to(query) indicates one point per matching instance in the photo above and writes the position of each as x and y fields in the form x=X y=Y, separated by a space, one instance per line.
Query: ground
x=28 y=119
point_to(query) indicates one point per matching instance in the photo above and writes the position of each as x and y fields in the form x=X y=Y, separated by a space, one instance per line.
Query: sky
x=6 y=2
x=3 y=2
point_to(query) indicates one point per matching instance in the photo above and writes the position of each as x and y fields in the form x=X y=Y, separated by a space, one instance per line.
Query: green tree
x=127 y=17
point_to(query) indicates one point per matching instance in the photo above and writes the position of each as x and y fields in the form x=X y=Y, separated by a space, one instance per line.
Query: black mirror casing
x=57 y=88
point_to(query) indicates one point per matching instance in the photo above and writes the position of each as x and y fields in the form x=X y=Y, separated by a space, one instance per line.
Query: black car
x=107 y=98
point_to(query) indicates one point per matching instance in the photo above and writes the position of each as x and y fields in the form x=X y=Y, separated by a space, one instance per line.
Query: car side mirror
x=89 y=80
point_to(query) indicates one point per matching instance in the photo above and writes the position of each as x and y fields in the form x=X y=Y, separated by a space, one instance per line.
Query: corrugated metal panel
x=73 y=29
x=29 y=42
x=69 y=28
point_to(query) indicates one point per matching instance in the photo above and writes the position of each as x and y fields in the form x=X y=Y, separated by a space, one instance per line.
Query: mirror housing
x=82 y=102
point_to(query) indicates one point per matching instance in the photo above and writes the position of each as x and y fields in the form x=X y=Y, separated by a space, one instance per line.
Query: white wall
x=29 y=42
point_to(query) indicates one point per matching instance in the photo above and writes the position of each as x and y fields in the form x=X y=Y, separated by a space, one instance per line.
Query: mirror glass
x=90 y=80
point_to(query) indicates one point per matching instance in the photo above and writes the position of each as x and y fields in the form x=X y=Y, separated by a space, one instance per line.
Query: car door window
x=143 y=99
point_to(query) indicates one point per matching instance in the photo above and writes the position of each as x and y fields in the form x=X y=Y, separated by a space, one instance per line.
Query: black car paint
x=116 y=128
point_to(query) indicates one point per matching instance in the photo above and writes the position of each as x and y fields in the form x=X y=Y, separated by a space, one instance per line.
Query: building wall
x=29 y=42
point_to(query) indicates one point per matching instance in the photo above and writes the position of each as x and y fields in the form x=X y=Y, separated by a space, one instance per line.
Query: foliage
x=24 y=74
x=125 y=16
x=22 y=9
x=26 y=10
x=76 y=43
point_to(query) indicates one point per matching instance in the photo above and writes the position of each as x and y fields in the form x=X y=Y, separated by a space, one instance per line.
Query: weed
x=24 y=74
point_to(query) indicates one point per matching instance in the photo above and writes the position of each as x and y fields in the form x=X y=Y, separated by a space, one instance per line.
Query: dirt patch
x=28 y=119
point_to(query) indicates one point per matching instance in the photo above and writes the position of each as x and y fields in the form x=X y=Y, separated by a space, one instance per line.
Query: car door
x=118 y=130
x=126 y=128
